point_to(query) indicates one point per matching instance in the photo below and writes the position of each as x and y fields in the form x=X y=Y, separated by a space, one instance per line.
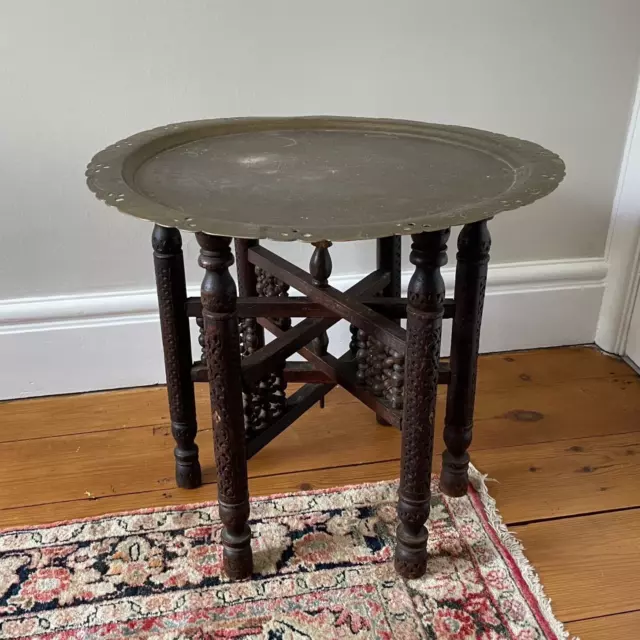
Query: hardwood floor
x=557 y=431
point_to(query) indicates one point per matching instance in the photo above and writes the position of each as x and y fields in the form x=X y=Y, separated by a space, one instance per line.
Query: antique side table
x=321 y=180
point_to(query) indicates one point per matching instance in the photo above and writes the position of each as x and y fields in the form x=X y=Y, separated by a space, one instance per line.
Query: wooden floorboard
x=622 y=626
x=557 y=432
x=559 y=479
x=532 y=482
x=90 y=412
x=337 y=436
x=528 y=413
x=110 y=462
x=258 y=486
x=589 y=565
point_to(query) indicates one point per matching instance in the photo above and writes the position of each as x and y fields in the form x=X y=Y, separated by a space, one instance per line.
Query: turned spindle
x=320 y=266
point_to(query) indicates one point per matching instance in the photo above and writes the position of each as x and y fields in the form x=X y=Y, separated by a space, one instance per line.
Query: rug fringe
x=516 y=549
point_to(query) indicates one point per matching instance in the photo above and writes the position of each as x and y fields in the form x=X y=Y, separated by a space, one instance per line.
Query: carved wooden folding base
x=393 y=370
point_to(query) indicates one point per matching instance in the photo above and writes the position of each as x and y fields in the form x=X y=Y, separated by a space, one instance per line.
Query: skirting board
x=56 y=345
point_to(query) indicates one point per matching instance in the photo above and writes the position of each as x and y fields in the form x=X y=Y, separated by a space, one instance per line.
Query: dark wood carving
x=353 y=343
x=297 y=404
x=254 y=366
x=255 y=397
x=391 y=379
x=360 y=349
x=303 y=307
x=174 y=324
x=344 y=305
x=320 y=267
x=342 y=372
x=376 y=354
x=474 y=244
x=320 y=264
x=247 y=376
x=424 y=325
x=200 y=323
x=265 y=400
x=222 y=346
x=304 y=372
x=381 y=368
x=277 y=397
x=269 y=286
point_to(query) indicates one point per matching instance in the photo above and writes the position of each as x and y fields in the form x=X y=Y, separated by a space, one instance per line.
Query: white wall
x=77 y=75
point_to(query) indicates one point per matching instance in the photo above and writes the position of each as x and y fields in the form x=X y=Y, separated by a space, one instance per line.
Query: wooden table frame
x=392 y=370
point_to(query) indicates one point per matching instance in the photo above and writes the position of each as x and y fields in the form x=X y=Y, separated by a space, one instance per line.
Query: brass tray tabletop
x=320 y=178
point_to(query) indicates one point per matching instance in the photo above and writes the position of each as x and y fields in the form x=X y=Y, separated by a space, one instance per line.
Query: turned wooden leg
x=389 y=257
x=222 y=350
x=474 y=243
x=425 y=309
x=174 y=324
x=320 y=267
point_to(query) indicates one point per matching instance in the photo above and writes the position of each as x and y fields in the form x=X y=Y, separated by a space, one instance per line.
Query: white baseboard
x=54 y=345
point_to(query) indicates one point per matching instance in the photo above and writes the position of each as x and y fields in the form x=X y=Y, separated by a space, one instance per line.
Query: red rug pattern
x=323 y=569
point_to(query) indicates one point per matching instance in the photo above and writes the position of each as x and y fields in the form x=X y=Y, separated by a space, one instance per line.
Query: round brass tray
x=320 y=178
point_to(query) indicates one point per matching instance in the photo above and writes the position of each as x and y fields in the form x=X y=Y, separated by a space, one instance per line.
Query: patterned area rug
x=323 y=569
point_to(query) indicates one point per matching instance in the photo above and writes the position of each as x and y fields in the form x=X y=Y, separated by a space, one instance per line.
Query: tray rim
x=537 y=172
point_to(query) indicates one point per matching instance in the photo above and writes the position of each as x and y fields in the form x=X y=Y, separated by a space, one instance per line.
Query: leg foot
x=188 y=472
x=236 y=540
x=411 y=552
x=454 y=478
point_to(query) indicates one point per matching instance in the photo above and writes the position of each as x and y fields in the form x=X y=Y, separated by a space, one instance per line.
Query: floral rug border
x=485 y=506
x=513 y=553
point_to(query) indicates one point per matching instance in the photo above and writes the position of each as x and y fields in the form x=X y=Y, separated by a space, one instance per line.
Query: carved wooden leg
x=174 y=324
x=389 y=257
x=424 y=325
x=223 y=365
x=474 y=243
x=320 y=267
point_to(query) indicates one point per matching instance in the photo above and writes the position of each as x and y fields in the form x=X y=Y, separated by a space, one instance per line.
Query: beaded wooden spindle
x=320 y=267
x=265 y=401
